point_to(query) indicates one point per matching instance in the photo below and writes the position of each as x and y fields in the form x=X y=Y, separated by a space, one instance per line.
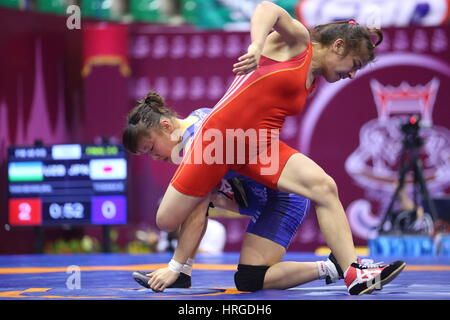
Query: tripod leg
x=390 y=207
x=419 y=178
x=405 y=167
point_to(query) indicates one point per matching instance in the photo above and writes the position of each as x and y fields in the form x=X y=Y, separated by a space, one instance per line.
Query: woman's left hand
x=161 y=279
x=249 y=61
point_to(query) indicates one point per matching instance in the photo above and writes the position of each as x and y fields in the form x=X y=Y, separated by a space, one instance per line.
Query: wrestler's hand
x=161 y=279
x=249 y=61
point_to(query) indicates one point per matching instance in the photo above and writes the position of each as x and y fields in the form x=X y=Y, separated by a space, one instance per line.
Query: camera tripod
x=410 y=162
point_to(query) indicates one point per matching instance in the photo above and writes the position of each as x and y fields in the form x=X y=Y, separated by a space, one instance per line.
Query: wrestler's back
x=266 y=97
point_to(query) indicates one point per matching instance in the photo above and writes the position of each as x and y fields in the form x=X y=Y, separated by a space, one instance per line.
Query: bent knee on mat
x=250 y=278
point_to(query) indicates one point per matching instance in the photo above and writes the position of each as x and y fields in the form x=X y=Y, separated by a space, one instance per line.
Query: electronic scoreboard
x=67 y=184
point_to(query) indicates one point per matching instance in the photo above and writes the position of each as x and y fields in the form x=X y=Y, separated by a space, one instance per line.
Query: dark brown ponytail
x=147 y=114
x=353 y=35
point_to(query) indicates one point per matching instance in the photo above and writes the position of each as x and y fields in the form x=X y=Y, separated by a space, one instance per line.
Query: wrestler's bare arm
x=290 y=38
x=191 y=233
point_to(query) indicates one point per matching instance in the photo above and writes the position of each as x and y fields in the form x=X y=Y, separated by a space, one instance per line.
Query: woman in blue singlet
x=276 y=216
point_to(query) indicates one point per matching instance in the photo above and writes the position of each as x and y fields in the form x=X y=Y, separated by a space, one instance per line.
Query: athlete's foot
x=364 y=278
x=334 y=271
x=183 y=280
x=369 y=262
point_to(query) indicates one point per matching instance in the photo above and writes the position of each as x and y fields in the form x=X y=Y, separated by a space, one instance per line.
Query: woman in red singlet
x=273 y=80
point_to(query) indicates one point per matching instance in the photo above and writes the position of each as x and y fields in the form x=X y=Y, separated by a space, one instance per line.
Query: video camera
x=410 y=129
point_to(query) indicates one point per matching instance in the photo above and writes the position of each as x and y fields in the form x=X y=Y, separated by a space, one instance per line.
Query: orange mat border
x=145 y=267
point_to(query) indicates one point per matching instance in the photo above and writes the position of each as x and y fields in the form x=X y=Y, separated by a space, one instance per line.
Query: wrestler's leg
x=175 y=207
x=189 y=188
x=303 y=176
x=259 y=251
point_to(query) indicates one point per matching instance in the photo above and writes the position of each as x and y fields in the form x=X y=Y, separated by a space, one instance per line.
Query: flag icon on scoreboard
x=108 y=169
x=25 y=171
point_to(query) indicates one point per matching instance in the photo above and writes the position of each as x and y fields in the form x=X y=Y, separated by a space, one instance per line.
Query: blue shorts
x=280 y=217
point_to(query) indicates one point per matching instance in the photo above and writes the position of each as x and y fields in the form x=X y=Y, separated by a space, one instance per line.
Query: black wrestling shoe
x=183 y=280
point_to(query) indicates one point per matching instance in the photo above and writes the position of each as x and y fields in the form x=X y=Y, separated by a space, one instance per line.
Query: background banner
x=351 y=128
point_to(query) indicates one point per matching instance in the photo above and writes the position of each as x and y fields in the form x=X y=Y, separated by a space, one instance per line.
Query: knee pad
x=250 y=278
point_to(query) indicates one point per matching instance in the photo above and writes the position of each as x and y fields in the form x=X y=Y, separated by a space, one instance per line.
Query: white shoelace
x=369 y=263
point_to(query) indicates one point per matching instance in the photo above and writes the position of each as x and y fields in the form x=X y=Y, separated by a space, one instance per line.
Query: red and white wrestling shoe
x=364 y=278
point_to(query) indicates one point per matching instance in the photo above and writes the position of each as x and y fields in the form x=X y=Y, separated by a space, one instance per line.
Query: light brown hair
x=355 y=36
